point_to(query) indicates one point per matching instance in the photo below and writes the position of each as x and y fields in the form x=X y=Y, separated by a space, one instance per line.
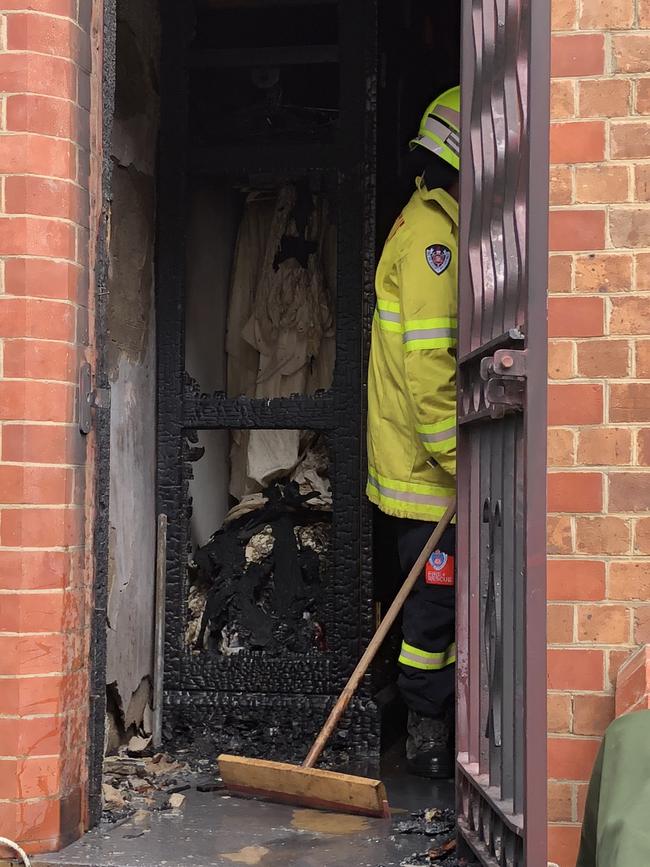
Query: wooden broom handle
x=377 y=640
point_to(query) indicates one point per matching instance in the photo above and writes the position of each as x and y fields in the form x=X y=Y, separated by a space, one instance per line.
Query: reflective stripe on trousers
x=425 y=661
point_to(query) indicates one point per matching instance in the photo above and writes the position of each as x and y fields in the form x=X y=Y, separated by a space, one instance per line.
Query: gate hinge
x=505 y=376
x=89 y=398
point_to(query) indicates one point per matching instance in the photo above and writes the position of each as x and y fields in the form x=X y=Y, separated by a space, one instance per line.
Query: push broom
x=306 y=785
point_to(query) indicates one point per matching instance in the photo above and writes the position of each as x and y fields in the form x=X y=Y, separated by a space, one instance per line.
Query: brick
x=563 y=103
x=28 y=317
x=559 y=624
x=641 y=624
x=643 y=447
x=630 y=315
x=563 y=844
x=559 y=274
x=582 y=54
x=604 y=624
x=630 y=227
x=578 y=142
x=644 y=13
x=43 y=34
x=35 y=485
x=30 y=654
x=604 y=97
x=39 y=736
x=577 y=230
x=34 y=236
x=582 y=790
x=642 y=272
x=29 y=112
x=575 y=404
x=631 y=52
x=560 y=359
x=573 y=669
x=571 y=758
x=602 y=184
x=40 y=74
x=615 y=659
x=35 y=359
x=604 y=272
x=558 y=712
x=576 y=580
x=629 y=402
x=563 y=15
x=607 y=535
x=642 y=536
x=559 y=535
x=38 y=777
x=629 y=580
x=36 y=401
x=33 y=570
x=606 y=14
x=39 y=612
x=642 y=352
x=629 y=140
x=561 y=450
x=575 y=317
x=44 y=278
x=560 y=802
x=39 y=820
x=575 y=492
x=629 y=492
x=604 y=446
x=642 y=183
x=607 y=358
x=29 y=154
x=592 y=714
x=40 y=528
x=642 y=104
x=52 y=694
x=561 y=185
x=66 y=8
x=45 y=197
x=633 y=680
x=47 y=444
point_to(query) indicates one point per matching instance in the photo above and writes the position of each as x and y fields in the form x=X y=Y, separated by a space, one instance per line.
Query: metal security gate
x=501 y=772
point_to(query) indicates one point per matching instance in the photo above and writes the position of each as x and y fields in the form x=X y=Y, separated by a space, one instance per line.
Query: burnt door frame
x=501 y=603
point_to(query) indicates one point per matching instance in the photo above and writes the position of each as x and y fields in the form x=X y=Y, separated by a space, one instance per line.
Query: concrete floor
x=215 y=830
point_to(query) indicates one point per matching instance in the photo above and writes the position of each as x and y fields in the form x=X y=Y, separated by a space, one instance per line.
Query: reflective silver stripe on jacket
x=428 y=334
x=409 y=496
x=439 y=436
x=388 y=316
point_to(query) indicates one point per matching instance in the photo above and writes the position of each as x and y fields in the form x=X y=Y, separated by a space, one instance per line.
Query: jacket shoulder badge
x=438 y=258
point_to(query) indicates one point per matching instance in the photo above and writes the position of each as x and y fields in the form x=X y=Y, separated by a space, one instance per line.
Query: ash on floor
x=212 y=829
x=133 y=784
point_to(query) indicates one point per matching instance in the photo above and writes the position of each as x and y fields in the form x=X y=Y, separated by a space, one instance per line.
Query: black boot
x=430 y=746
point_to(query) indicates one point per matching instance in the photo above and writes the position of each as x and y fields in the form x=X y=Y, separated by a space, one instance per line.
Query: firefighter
x=412 y=427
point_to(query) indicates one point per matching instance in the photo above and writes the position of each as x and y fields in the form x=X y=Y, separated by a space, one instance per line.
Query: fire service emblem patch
x=438 y=258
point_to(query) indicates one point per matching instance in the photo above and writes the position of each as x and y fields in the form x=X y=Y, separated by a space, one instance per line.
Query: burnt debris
x=258 y=583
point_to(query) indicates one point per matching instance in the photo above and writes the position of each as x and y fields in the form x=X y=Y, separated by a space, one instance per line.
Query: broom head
x=306 y=787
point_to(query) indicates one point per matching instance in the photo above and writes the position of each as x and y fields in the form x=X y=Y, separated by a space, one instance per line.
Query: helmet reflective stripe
x=443 y=132
x=440 y=127
x=448 y=114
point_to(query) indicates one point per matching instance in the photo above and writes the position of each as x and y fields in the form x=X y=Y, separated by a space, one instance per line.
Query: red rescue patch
x=440 y=570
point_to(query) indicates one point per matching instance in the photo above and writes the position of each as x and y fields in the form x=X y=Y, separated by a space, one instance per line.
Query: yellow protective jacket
x=412 y=376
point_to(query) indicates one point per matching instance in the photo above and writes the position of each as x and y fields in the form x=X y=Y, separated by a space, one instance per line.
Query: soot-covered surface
x=215 y=830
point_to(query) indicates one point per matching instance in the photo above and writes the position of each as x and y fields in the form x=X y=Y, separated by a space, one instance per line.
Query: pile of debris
x=137 y=783
x=440 y=825
x=237 y=600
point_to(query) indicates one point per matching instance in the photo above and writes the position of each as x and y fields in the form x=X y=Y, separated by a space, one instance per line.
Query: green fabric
x=616 y=828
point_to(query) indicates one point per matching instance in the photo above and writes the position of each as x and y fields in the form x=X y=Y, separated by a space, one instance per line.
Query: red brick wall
x=45 y=574
x=599 y=389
